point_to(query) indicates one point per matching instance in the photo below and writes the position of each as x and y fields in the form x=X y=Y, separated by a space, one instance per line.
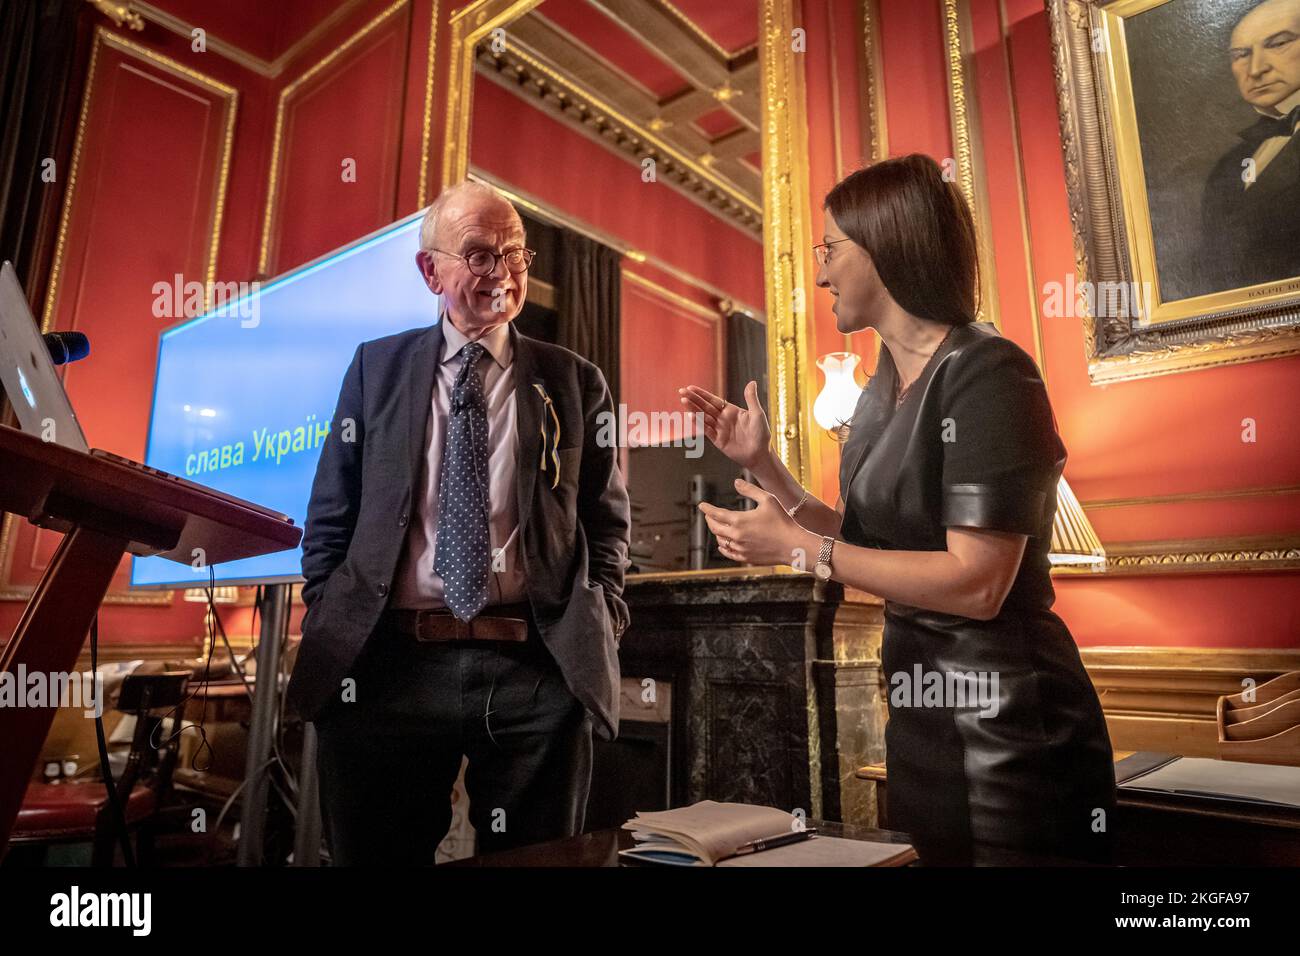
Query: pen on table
x=781 y=839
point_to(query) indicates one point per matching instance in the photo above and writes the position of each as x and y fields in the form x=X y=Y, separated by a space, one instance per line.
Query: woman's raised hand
x=742 y=434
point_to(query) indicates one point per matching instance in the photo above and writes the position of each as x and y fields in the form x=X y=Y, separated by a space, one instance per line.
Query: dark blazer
x=1251 y=235
x=574 y=536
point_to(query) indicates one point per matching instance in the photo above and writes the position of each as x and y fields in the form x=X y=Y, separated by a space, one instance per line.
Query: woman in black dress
x=947 y=496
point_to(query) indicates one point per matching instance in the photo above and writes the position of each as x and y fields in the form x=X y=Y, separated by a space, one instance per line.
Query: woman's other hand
x=742 y=434
x=763 y=535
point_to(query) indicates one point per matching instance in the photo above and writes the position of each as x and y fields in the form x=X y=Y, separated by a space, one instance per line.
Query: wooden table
x=600 y=848
x=1174 y=829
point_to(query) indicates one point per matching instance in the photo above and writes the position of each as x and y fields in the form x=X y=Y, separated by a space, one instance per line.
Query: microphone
x=67 y=347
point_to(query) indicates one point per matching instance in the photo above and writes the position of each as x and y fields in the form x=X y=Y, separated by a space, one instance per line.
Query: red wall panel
x=314 y=207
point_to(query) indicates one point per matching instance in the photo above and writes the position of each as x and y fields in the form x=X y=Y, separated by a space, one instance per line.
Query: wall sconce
x=839 y=396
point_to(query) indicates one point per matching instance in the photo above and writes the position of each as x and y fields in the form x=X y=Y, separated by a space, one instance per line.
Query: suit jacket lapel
x=422 y=371
x=528 y=422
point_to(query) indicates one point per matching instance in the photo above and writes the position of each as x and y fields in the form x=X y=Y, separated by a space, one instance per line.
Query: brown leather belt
x=496 y=622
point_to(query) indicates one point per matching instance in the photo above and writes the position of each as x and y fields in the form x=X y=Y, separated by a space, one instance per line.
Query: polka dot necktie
x=462 y=550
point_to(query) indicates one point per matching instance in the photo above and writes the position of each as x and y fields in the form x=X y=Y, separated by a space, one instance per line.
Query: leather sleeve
x=999 y=440
x=603 y=506
x=336 y=490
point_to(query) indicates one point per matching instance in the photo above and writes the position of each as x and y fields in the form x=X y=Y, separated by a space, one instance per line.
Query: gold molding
x=277 y=139
x=426 y=127
x=1266 y=491
x=519 y=66
x=1022 y=189
x=249 y=61
x=963 y=107
x=543 y=210
x=719 y=50
x=1219 y=555
x=837 y=137
x=787 y=243
x=228 y=93
x=122 y=14
x=676 y=298
x=1117 y=348
x=873 y=84
x=876 y=129
x=469 y=25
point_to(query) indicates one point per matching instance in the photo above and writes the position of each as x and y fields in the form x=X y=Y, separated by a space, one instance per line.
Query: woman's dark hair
x=918 y=230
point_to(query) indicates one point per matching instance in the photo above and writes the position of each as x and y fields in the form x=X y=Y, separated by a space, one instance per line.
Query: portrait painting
x=1179 y=125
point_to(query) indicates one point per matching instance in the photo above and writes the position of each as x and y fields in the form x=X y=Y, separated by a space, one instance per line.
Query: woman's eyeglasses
x=483 y=262
x=823 y=250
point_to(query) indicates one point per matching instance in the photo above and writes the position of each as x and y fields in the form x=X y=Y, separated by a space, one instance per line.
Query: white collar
x=1283 y=108
x=497 y=342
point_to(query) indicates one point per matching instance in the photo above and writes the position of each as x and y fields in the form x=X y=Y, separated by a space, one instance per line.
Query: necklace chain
x=901 y=394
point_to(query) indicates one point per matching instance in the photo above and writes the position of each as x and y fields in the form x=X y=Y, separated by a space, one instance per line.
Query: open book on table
x=709 y=833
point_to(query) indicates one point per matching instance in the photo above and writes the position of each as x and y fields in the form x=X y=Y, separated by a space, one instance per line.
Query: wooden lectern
x=106 y=509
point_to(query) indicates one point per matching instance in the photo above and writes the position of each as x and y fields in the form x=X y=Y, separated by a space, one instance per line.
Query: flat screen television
x=243 y=394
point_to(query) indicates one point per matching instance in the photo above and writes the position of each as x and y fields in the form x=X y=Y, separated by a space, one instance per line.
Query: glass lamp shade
x=839 y=396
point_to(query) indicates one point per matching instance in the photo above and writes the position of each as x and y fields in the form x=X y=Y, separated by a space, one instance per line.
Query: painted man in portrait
x=1251 y=204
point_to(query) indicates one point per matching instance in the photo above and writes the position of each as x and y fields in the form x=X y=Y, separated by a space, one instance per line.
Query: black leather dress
x=974 y=444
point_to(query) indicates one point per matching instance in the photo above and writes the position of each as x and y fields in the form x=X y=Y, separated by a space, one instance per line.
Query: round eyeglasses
x=483 y=262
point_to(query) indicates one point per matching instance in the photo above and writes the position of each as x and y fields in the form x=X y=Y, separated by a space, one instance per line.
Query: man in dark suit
x=1249 y=207
x=464 y=554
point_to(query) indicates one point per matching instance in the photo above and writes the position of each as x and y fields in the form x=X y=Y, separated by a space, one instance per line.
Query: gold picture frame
x=1110 y=216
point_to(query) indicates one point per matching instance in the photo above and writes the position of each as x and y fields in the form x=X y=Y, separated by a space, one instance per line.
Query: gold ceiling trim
x=266 y=68
x=963 y=106
x=277 y=139
x=721 y=51
x=733 y=204
x=122 y=14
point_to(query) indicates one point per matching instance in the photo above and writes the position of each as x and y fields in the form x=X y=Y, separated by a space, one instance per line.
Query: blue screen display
x=244 y=393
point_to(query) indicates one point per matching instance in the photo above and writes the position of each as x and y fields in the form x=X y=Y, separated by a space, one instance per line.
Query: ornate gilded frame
x=786 y=243
x=1112 y=244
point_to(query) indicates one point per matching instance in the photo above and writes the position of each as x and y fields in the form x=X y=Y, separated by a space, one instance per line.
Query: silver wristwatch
x=823 y=567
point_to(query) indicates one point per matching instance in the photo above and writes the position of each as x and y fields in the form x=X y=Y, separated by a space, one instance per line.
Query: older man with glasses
x=464 y=554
